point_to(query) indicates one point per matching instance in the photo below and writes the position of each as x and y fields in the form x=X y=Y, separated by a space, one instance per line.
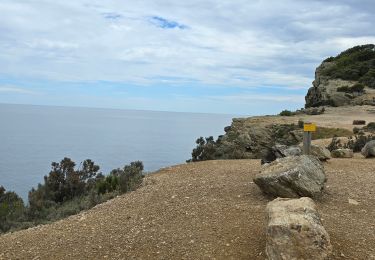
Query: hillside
x=199 y=211
x=347 y=79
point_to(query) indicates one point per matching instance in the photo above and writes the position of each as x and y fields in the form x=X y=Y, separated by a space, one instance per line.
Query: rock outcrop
x=369 y=149
x=292 y=177
x=342 y=153
x=295 y=231
x=337 y=79
x=247 y=139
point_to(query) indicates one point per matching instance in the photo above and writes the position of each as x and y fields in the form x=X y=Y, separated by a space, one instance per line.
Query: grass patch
x=327 y=132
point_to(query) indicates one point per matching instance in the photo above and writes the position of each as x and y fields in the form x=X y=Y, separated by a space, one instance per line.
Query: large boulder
x=322 y=153
x=292 y=177
x=280 y=151
x=369 y=149
x=342 y=153
x=295 y=231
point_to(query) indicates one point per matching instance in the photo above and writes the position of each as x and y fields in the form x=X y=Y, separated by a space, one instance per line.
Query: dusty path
x=337 y=117
x=201 y=211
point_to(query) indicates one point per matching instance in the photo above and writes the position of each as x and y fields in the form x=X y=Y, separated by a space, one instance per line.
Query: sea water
x=31 y=137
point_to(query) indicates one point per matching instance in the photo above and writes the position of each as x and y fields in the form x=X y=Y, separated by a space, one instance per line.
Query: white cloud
x=234 y=43
x=13 y=89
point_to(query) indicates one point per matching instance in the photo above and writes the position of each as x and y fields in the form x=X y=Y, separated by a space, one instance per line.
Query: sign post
x=308 y=129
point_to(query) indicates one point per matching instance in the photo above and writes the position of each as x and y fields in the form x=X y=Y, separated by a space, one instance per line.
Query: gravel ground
x=206 y=210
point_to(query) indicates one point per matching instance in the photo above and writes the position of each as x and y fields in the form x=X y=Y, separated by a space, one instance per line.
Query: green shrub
x=343 y=89
x=66 y=191
x=329 y=59
x=335 y=144
x=355 y=143
x=12 y=210
x=286 y=113
x=370 y=127
x=359 y=122
x=356 y=130
x=327 y=132
x=205 y=149
x=357 y=88
x=357 y=64
x=301 y=123
x=358 y=142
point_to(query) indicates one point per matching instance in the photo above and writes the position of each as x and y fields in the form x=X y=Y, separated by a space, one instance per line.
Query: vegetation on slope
x=357 y=64
x=250 y=141
x=66 y=191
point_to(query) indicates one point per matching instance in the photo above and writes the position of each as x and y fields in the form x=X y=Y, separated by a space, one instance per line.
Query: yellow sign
x=309 y=127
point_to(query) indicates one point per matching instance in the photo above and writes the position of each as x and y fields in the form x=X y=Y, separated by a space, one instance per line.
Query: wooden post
x=308 y=128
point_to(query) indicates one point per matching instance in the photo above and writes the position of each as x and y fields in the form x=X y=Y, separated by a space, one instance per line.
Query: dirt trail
x=207 y=210
x=338 y=117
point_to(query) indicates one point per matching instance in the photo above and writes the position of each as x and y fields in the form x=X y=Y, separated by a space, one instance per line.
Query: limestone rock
x=322 y=153
x=342 y=153
x=247 y=139
x=280 y=151
x=324 y=91
x=369 y=149
x=295 y=231
x=292 y=177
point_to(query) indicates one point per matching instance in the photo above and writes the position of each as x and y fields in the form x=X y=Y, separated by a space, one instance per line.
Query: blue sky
x=235 y=57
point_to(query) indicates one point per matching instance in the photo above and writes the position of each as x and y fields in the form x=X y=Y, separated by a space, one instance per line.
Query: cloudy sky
x=227 y=56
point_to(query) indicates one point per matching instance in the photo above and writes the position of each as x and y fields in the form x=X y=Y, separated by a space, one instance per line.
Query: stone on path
x=295 y=231
x=321 y=152
x=292 y=177
x=342 y=153
x=369 y=149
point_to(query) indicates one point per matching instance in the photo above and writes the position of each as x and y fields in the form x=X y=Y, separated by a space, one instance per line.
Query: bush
x=329 y=59
x=358 y=142
x=357 y=88
x=335 y=144
x=370 y=127
x=327 y=132
x=205 y=149
x=66 y=191
x=286 y=113
x=12 y=210
x=355 y=143
x=343 y=89
x=359 y=122
x=357 y=64
x=301 y=123
x=356 y=130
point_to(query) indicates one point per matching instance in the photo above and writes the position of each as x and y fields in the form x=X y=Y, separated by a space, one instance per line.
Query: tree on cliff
x=11 y=209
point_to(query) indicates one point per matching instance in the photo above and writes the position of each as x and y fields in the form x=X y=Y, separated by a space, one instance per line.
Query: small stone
x=353 y=202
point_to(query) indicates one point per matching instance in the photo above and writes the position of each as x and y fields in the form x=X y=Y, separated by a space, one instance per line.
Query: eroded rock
x=292 y=177
x=342 y=153
x=369 y=149
x=322 y=153
x=295 y=231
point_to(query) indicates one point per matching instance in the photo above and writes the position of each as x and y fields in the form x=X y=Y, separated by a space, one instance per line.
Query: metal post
x=307 y=143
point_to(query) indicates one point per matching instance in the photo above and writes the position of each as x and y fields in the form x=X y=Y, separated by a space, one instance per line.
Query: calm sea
x=31 y=137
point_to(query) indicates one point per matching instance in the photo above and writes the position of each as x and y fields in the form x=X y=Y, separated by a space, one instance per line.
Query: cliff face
x=348 y=79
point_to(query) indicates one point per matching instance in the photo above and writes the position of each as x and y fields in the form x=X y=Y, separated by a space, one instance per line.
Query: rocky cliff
x=347 y=79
